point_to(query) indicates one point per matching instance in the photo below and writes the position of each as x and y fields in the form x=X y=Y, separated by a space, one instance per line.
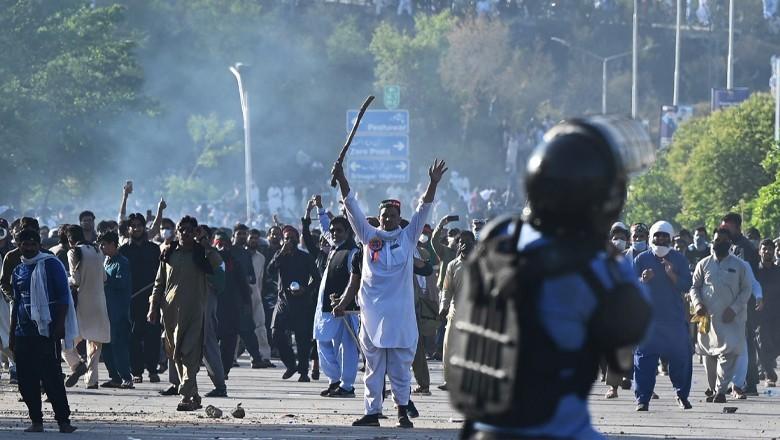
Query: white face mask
x=639 y=246
x=660 y=251
x=619 y=244
x=166 y=234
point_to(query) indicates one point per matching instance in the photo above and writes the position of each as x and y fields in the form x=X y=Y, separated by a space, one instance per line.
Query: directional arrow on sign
x=399 y=146
x=401 y=166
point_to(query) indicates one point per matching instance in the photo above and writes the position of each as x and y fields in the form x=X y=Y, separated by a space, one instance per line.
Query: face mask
x=721 y=249
x=701 y=243
x=424 y=239
x=660 y=251
x=639 y=246
x=619 y=244
x=166 y=234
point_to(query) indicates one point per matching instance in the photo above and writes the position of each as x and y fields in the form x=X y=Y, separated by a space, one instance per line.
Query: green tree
x=65 y=71
x=653 y=196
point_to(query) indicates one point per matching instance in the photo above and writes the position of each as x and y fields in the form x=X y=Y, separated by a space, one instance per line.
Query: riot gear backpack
x=504 y=368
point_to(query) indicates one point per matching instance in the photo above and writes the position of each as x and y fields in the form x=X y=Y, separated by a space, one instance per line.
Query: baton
x=142 y=289
x=350 y=329
x=352 y=133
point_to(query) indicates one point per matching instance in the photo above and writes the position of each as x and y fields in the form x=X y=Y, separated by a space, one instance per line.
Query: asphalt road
x=277 y=409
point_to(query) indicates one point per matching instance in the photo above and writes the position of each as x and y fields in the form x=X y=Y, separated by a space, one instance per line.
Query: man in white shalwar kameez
x=720 y=292
x=388 y=334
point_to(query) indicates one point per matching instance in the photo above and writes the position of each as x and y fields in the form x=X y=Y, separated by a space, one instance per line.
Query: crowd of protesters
x=146 y=295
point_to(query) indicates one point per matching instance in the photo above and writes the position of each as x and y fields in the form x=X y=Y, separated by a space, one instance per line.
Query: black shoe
x=110 y=384
x=162 y=368
x=172 y=390
x=751 y=391
x=709 y=393
x=216 y=393
x=315 y=374
x=35 y=427
x=81 y=369
x=263 y=363
x=304 y=378
x=288 y=373
x=642 y=407
x=411 y=410
x=341 y=392
x=138 y=379
x=655 y=396
x=332 y=387
x=404 y=422
x=443 y=387
x=94 y=386
x=683 y=403
x=154 y=378
x=625 y=384
x=67 y=428
x=719 y=398
x=127 y=385
x=367 y=420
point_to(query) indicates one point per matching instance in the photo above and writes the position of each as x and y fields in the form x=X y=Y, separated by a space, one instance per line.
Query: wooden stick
x=352 y=133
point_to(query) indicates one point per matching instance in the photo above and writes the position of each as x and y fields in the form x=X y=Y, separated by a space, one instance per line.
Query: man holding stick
x=388 y=335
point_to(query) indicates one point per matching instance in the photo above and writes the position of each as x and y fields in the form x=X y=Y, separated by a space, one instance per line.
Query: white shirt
x=386 y=295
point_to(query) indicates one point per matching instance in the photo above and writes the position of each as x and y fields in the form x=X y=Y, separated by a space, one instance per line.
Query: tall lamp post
x=236 y=71
x=730 y=59
x=604 y=61
x=634 y=59
x=677 y=41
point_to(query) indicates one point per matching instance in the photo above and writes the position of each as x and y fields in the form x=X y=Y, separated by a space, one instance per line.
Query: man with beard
x=180 y=297
x=337 y=350
x=769 y=315
x=294 y=270
x=270 y=288
x=87 y=223
x=453 y=281
x=258 y=310
x=43 y=313
x=388 y=336
x=234 y=300
x=144 y=258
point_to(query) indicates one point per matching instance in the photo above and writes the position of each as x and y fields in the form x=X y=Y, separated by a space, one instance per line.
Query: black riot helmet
x=576 y=178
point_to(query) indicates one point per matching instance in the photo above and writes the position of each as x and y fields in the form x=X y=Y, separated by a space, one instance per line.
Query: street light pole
x=676 y=94
x=777 y=97
x=634 y=59
x=730 y=60
x=235 y=70
x=604 y=62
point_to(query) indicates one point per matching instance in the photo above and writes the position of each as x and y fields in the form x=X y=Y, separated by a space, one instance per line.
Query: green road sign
x=392 y=98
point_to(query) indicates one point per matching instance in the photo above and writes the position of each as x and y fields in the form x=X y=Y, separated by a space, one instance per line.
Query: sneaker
x=304 y=378
x=738 y=393
x=67 y=428
x=110 y=384
x=642 y=407
x=35 y=427
x=288 y=373
x=154 y=378
x=341 y=392
x=172 y=390
x=421 y=391
x=332 y=387
x=81 y=369
x=127 y=385
x=612 y=393
x=683 y=403
x=367 y=420
x=443 y=387
x=138 y=379
x=771 y=383
x=216 y=392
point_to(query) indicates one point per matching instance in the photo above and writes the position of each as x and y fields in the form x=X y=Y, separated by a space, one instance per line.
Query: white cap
x=662 y=226
x=618 y=225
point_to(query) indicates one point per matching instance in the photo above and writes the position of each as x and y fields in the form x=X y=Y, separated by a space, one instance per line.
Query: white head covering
x=662 y=226
x=618 y=225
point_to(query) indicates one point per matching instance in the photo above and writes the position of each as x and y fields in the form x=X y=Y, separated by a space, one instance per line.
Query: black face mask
x=721 y=249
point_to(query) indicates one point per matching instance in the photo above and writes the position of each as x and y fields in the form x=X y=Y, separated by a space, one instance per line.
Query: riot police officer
x=544 y=298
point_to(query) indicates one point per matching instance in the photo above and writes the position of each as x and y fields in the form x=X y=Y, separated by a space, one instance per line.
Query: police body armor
x=504 y=368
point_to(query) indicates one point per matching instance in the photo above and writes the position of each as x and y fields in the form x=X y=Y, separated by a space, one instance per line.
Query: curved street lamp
x=242 y=93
